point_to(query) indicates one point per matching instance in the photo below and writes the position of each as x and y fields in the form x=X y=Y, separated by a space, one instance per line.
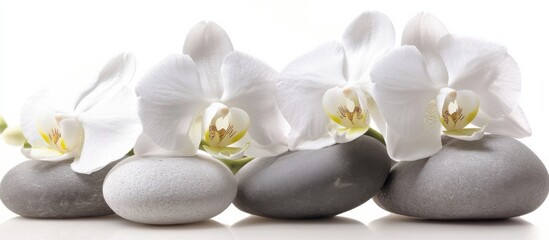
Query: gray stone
x=313 y=184
x=40 y=189
x=163 y=190
x=493 y=178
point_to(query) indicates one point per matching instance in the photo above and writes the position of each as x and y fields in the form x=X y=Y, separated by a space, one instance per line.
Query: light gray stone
x=313 y=184
x=163 y=190
x=40 y=189
x=493 y=178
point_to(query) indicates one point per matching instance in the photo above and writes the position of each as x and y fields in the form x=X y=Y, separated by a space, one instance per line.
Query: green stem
x=375 y=134
x=3 y=125
x=236 y=165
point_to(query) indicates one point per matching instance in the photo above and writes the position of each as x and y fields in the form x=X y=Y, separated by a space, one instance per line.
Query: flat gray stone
x=493 y=178
x=40 y=189
x=163 y=190
x=313 y=184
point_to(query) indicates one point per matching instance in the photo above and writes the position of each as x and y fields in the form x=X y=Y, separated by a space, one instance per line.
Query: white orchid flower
x=214 y=94
x=100 y=126
x=439 y=81
x=326 y=94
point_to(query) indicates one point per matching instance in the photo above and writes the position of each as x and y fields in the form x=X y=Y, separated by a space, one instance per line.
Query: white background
x=58 y=43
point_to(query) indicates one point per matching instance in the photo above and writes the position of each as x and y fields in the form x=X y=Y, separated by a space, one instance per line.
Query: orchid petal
x=171 y=98
x=225 y=153
x=300 y=89
x=46 y=154
x=249 y=84
x=29 y=129
x=435 y=68
x=473 y=132
x=466 y=134
x=111 y=128
x=366 y=38
x=302 y=143
x=424 y=31
x=170 y=128
x=115 y=75
x=485 y=68
x=413 y=148
x=343 y=135
x=72 y=133
x=425 y=144
x=208 y=44
x=368 y=103
x=514 y=125
x=403 y=90
x=255 y=149
x=379 y=121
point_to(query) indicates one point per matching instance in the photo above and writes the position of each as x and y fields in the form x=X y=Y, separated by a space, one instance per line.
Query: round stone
x=492 y=178
x=315 y=183
x=164 y=190
x=40 y=189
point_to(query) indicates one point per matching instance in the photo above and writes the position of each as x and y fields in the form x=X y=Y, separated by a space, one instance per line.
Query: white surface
x=50 y=42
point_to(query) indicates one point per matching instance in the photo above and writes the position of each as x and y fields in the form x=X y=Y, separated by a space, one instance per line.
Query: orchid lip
x=456 y=110
x=226 y=127
x=346 y=109
x=343 y=107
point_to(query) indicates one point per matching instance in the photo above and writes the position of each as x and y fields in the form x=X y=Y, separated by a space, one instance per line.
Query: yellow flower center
x=349 y=113
x=221 y=130
x=225 y=128
x=346 y=108
x=54 y=139
x=456 y=110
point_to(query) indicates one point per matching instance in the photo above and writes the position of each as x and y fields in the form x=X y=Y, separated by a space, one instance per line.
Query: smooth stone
x=496 y=177
x=40 y=189
x=164 y=190
x=315 y=183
